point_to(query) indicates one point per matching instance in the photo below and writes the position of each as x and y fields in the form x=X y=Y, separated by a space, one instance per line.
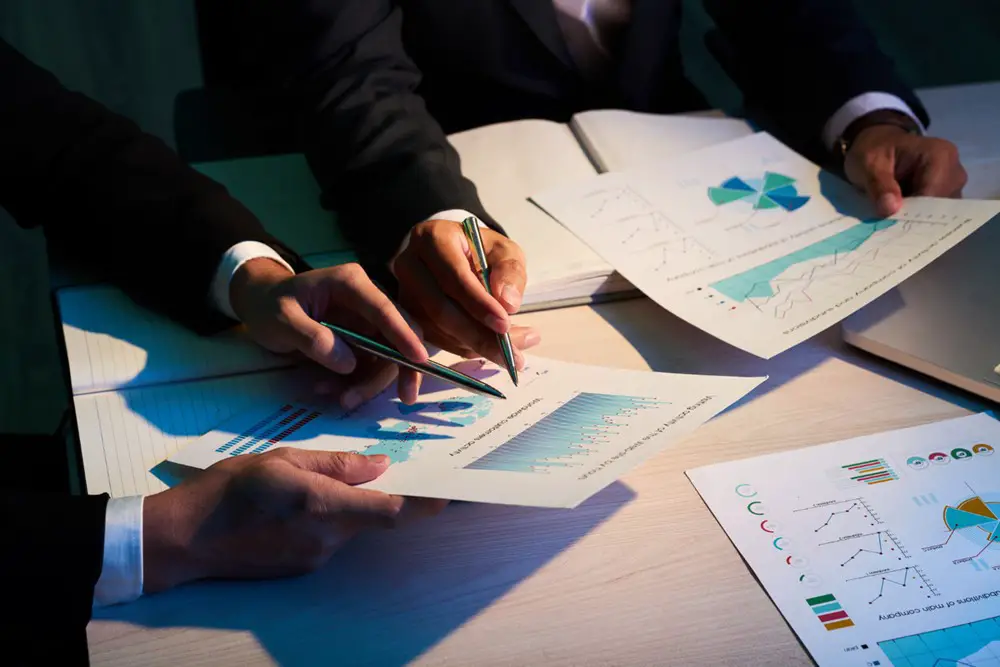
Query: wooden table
x=641 y=574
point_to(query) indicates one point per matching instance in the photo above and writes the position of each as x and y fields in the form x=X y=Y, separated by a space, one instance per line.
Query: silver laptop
x=945 y=320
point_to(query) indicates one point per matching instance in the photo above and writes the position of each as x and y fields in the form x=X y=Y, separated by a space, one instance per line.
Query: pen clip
x=471 y=227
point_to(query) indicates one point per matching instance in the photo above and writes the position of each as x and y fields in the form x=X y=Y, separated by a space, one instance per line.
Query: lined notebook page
x=617 y=140
x=124 y=434
x=112 y=343
x=509 y=162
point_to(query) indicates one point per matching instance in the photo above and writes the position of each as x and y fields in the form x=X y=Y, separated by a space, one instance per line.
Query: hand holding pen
x=439 y=287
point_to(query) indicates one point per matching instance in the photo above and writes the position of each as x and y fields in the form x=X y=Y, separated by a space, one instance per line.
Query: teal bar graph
x=562 y=438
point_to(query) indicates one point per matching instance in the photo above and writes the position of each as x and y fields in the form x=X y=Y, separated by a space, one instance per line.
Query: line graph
x=564 y=437
x=878 y=543
x=616 y=203
x=778 y=286
x=853 y=506
x=911 y=577
x=646 y=228
x=855 y=513
x=684 y=250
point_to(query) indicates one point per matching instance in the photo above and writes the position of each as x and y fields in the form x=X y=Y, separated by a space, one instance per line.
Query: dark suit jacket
x=123 y=202
x=377 y=83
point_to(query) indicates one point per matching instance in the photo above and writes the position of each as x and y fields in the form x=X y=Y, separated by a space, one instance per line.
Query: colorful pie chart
x=773 y=191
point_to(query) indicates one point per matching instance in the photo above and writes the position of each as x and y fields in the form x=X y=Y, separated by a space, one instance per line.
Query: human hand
x=276 y=514
x=886 y=160
x=439 y=288
x=280 y=311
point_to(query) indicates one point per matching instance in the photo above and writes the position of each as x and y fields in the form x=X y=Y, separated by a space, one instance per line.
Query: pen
x=471 y=227
x=433 y=368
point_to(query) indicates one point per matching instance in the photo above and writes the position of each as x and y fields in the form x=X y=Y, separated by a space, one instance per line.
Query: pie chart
x=975 y=512
x=773 y=191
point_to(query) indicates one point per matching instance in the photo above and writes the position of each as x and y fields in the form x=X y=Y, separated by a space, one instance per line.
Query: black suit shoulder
x=382 y=160
x=798 y=61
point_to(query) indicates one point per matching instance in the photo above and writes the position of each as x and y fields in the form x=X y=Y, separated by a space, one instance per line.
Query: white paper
x=510 y=161
x=125 y=434
x=617 y=139
x=564 y=433
x=753 y=243
x=900 y=529
x=113 y=343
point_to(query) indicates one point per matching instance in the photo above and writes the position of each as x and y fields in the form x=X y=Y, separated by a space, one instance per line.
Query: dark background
x=136 y=56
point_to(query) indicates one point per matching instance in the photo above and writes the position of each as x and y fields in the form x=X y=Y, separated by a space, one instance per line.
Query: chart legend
x=829 y=612
x=566 y=436
x=873 y=471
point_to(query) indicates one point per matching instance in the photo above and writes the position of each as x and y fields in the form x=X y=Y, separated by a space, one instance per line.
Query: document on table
x=753 y=243
x=879 y=550
x=563 y=434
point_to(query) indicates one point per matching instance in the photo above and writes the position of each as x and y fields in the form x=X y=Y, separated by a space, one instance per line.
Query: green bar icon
x=822 y=599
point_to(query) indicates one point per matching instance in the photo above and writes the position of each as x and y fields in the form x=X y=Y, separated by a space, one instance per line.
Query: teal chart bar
x=566 y=435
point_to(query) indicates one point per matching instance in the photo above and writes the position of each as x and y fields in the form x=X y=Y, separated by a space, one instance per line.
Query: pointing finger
x=316 y=341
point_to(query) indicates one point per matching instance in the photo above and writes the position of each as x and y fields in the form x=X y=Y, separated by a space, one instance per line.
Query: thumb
x=508 y=275
x=345 y=467
x=879 y=182
x=317 y=342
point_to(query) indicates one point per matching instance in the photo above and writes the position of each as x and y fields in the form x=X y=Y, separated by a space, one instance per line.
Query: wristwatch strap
x=880 y=117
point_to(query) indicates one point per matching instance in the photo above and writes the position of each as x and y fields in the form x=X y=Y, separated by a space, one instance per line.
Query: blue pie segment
x=773 y=191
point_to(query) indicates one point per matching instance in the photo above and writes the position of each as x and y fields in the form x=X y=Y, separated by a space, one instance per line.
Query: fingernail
x=380 y=459
x=341 y=358
x=351 y=399
x=531 y=340
x=511 y=295
x=887 y=203
x=497 y=323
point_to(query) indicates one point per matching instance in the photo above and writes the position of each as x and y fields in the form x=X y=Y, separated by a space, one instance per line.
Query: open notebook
x=144 y=386
x=511 y=161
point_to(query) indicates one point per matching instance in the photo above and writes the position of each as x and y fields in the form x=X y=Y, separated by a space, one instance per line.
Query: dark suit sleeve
x=53 y=549
x=383 y=163
x=116 y=198
x=798 y=61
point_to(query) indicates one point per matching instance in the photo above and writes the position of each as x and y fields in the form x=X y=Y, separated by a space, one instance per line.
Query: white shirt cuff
x=235 y=257
x=121 y=573
x=856 y=107
x=452 y=214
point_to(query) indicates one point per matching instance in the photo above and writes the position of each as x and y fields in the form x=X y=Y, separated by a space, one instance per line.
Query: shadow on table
x=183 y=384
x=671 y=345
x=388 y=597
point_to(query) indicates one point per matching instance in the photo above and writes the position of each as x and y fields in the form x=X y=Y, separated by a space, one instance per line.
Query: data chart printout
x=881 y=550
x=564 y=433
x=752 y=242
